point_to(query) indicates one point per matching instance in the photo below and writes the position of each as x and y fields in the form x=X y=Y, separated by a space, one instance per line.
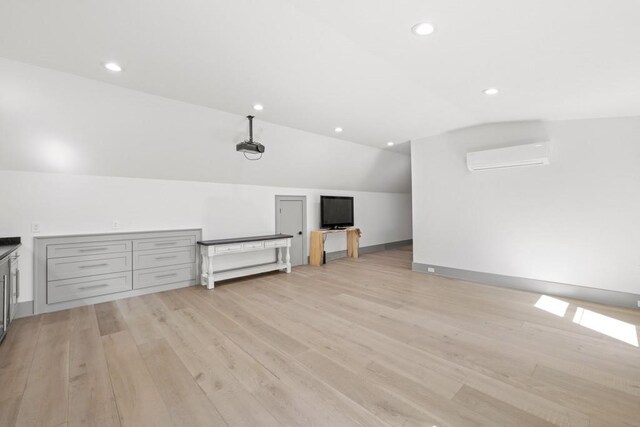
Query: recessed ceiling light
x=423 y=29
x=112 y=66
x=491 y=91
x=338 y=129
x=390 y=143
x=258 y=107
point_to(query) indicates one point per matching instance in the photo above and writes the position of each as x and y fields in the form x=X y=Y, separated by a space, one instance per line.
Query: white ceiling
x=316 y=65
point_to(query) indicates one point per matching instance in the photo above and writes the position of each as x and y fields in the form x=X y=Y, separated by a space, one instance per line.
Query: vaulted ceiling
x=316 y=65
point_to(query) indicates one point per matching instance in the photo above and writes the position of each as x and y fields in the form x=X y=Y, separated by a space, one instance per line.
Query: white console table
x=209 y=249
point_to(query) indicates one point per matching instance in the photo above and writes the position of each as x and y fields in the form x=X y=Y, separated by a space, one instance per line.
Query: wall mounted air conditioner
x=510 y=157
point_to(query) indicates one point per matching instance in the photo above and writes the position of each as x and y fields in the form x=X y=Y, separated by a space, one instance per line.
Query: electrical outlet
x=431 y=270
x=35 y=227
x=639 y=303
x=115 y=225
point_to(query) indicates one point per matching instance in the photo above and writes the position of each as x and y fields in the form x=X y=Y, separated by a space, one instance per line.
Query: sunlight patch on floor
x=552 y=305
x=609 y=326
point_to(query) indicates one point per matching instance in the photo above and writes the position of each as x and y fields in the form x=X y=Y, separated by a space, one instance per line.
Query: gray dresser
x=91 y=268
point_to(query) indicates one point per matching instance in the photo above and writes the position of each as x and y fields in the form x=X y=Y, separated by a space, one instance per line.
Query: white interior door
x=291 y=221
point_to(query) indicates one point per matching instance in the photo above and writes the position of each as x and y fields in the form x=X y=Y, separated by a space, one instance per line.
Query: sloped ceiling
x=316 y=65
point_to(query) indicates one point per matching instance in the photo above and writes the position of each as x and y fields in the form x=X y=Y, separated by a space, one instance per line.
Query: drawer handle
x=93 y=249
x=166 y=275
x=166 y=257
x=94 y=265
x=166 y=243
x=82 y=288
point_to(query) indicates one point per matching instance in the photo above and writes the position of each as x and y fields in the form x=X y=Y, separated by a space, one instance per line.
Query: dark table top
x=244 y=239
x=8 y=245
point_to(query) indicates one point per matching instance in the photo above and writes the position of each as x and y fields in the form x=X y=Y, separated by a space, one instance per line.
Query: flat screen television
x=336 y=212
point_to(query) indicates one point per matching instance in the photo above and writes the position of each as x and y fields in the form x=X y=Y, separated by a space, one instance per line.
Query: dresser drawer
x=163 y=275
x=86 y=287
x=164 y=243
x=275 y=243
x=163 y=257
x=233 y=247
x=88 y=265
x=247 y=246
x=88 y=248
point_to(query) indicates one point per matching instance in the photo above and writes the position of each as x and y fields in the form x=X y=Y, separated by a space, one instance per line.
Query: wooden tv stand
x=316 y=248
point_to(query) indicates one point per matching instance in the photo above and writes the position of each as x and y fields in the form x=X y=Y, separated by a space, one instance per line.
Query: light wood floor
x=356 y=342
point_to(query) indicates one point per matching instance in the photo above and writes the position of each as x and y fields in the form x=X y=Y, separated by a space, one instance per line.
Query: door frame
x=303 y=199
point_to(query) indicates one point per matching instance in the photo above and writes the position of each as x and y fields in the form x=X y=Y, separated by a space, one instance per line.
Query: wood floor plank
x=137 y=398
x=587 y=396
x=170 y=300
x=480 y=352
x=185 y=401
x=313 y=400
x=325 y=336
x=404 y=379
x=493 y=385
x=360 y=341
x=233 y=401
x=91 y=398
x=381 y=403
x=209 y=353
x=500 y=413
x=308 y=400
x=110 y=319
x=9 y=410
x=421 y=364
x=254 y=325
x=132 y=307
x=16 y=356
x=144 y=321
x=45 y=398
x=145 y=328
x=258 y=380
x=474 y=354
x=317 y=335
x=57 y=316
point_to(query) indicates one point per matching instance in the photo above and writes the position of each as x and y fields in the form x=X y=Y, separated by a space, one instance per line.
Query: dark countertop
x=244 y=239
x=8 y=245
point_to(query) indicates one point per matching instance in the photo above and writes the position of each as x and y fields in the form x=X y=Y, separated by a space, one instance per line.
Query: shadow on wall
x=501 y=134
x=401 y=174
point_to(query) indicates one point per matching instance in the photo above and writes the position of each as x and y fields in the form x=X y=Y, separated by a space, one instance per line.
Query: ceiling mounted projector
x=250 y=146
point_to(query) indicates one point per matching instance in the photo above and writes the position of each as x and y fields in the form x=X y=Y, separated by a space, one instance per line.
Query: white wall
x=73 y=204
x=576 y=221
x=57 y=122
x=76 y=154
